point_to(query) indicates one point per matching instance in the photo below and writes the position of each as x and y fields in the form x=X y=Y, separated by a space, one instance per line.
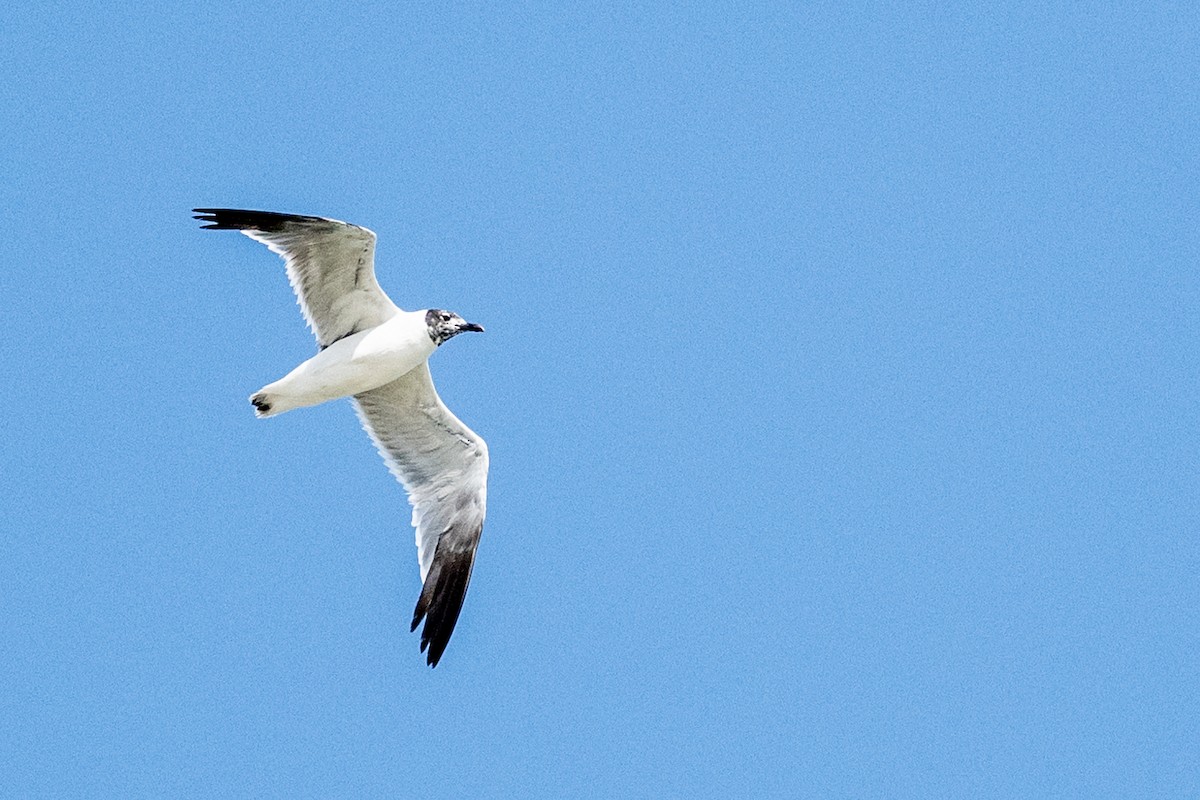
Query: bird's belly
x=353 y=365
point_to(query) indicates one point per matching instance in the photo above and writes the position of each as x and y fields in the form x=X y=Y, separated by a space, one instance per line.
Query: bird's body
x=353 y=365
x=377 y=354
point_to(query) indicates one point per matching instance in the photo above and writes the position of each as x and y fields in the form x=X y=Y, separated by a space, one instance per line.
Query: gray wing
x=443 y=465
x=330 y=264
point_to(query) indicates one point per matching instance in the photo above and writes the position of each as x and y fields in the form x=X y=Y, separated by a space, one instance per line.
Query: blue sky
x=840 y=385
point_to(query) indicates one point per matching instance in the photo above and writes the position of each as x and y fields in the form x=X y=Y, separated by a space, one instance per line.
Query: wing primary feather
x=441 y=600
x=241 y=219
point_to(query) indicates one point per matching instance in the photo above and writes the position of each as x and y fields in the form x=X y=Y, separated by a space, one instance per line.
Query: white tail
x=268 y=404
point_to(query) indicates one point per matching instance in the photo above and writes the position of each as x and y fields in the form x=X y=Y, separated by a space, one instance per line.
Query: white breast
x=357 y=363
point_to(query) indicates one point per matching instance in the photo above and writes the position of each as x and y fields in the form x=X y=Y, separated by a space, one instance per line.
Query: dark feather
x=239 y=219
x=441 y=599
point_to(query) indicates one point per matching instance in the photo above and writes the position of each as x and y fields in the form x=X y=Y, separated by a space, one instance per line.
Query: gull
x=374 y=352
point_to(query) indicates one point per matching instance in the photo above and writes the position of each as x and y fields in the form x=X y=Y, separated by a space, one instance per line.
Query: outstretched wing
x=443 y=465
x=330 y=264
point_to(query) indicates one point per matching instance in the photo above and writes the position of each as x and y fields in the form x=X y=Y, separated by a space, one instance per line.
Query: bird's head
x=444 y=325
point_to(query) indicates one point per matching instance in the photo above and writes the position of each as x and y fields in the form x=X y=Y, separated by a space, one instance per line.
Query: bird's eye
x=445 y=317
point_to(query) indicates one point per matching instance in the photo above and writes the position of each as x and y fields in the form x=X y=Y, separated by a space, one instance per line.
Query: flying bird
x=374 y=352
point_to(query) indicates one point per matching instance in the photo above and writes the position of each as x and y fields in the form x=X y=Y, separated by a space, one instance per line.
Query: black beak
x=471 y=326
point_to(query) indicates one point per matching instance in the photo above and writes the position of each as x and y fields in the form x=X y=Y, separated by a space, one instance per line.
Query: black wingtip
x=242 y=219
x=441 y=601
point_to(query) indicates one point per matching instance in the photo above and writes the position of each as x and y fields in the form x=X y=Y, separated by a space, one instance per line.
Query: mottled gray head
x=446 y=324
